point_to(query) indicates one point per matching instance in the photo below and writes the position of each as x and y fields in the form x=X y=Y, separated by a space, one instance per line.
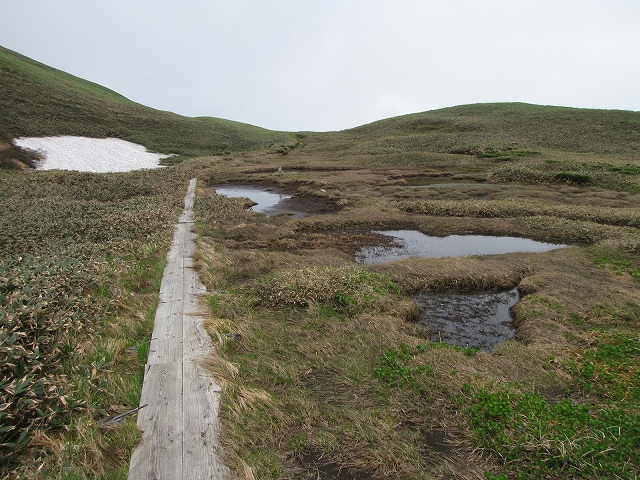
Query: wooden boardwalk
x=179 y=423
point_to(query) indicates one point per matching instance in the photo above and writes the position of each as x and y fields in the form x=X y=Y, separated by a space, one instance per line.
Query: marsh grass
x=302 y=331
x=82 y=258
x=514 y=208
x=358 y=384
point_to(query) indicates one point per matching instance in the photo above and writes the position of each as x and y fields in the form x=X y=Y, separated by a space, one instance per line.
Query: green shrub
x=610 y=368
x=394 y=368
x=573 y=440
x=596 y=437
x=44 y=304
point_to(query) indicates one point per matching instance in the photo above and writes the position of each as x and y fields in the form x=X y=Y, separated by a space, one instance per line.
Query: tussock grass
x=457 y=274
x=364 y=388
x=349 y=289
x=514 y=208
x=618 y=176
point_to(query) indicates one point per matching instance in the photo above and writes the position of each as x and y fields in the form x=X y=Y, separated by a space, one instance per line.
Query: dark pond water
x=412 y=243
x=478 y=320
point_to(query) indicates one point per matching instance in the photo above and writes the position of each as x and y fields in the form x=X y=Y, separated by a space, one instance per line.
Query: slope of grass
x=504 y=131
x=37 y=100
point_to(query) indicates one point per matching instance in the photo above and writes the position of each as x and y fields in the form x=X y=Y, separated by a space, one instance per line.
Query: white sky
x=334 y=64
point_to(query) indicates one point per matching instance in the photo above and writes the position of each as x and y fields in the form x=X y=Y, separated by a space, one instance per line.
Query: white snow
x=84 y=154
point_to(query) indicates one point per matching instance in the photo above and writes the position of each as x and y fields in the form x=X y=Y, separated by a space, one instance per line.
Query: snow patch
x=99 y=155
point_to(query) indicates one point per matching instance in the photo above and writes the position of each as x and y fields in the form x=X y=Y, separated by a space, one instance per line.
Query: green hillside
x=37 y=100
x=495 y=126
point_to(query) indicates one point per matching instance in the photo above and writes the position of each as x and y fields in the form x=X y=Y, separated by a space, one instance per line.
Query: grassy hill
x=494 y=127
x=37 y=100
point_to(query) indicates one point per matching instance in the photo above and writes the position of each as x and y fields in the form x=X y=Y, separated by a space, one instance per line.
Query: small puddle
x=412 y=243
x=315 y=464
x=275 y=201
x=266 y=199
x=477 y=320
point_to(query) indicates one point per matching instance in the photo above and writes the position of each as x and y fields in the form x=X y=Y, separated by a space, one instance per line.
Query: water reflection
x=412 y=243
x=267 y=200
x=478 y=320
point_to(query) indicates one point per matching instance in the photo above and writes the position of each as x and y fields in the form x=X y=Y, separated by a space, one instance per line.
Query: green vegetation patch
x=519 y=126
x=620 y=263
x=586 y=174
x=573 y=178
x=78 y=212
x=45 y=304
x=81 y=257
x=505 y=154
x=536 y=438
x=610 y=368
x=596 y=435
x=516 y=208
x=394 y=367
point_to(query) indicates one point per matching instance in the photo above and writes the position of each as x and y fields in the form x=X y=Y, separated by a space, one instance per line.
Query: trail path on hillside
x=180 y=420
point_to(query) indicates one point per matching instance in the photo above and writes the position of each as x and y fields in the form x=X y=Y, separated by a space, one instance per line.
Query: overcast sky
x=333 y=64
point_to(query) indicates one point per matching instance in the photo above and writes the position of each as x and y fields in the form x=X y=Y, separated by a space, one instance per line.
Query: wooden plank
x=202 y=457
x=197 y=343
x=159 y=455
x=166 y=341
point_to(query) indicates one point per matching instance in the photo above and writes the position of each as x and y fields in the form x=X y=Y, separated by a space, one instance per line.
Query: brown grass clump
x=457 y=274
x=349 y=289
